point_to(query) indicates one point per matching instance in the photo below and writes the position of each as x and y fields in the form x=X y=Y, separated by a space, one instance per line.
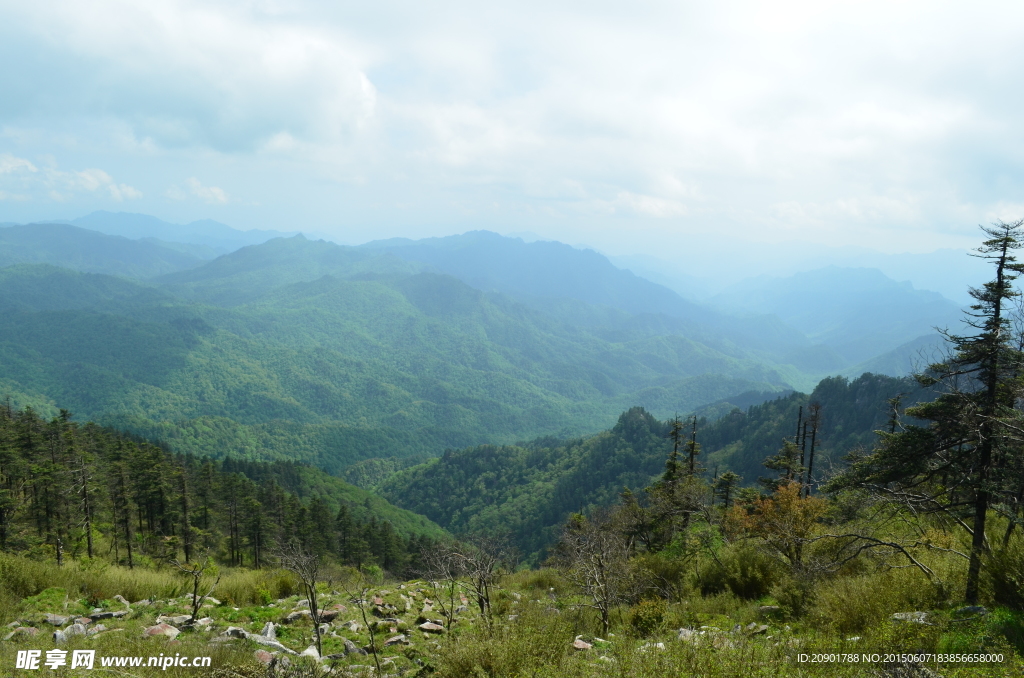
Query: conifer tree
x=967 y=457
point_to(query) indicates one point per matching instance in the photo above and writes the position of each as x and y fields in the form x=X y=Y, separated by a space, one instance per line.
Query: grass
x=537 y=617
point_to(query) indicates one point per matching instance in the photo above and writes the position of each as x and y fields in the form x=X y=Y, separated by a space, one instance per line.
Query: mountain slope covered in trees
x=530 y=489
x=76 y=491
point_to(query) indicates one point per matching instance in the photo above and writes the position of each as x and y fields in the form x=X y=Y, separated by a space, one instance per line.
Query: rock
x=581 y=644
x=689 y=635
x=176 y=620
x=295 y=616
x=161 y=630
x=396 y=640
x=753 y=628
x=99 y=628
x=652 y=646
x=769 y=609
x=913 y=617
x=204 y=622
x=100 y=614
x=301 y=604
x=263 y=657
x=311 y=651
x=460 y=609
x=971 y=610
x=56 y=619
x=22 y=631
x=83 y=620
x=121 y=599
x=377 y=600
x=431 y=627
x=268 y=642
x=235 y=632
x=269 y=631
x=352 y=648
x=352 y=626
x=329 y=615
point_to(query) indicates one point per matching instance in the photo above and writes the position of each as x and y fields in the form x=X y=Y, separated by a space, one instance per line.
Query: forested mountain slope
x=530 y=489
x=74 y=490
x=84 y=250
x=857 y=312
x=335 y=370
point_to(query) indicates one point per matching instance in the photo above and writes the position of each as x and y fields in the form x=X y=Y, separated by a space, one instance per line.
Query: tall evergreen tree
x=967 y=457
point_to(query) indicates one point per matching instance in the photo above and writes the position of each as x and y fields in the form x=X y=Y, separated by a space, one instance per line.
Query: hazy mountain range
x=298 y=348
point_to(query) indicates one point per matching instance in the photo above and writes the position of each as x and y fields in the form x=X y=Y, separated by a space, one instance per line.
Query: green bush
x=1005 y=570
x=742 y=569
x=647 y=617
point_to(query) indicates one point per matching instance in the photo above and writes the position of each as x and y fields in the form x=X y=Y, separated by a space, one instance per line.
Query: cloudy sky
x=632 y=127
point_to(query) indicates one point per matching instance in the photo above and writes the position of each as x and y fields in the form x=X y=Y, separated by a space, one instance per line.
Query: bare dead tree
x=199 y=571
x=594 y=556
x=444 y=570
x=484 y=559
x=307 y=567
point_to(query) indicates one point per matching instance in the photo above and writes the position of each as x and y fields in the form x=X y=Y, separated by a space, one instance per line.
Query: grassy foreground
x=536 y=618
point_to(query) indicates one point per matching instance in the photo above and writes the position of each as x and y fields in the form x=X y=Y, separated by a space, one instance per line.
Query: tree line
x=71 y=490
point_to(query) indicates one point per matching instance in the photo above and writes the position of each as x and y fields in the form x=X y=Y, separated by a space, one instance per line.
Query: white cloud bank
x=893 y=124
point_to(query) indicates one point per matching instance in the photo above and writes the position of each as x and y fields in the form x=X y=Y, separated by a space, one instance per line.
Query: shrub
x=742 y=569
x=647 y=618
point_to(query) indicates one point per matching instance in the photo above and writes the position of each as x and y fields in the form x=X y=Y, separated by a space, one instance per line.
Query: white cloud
x=10 y=164
x=829 y=120
x=56 y=184
x=208 y=194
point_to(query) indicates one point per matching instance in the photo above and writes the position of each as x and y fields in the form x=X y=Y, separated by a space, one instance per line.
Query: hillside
x=83 y=489
x=89 y=251
x=530 y=489
x=859 y=313
x=337 y=370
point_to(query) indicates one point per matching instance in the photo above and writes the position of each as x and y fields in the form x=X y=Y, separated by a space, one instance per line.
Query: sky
x=659 y=128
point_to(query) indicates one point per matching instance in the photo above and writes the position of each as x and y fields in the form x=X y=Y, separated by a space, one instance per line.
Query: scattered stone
x=329 y=615
x=22 y=631
x=100 y=614
x=310 y=652
x=460 y=609
x=99 y=628
x=121 y=599
x=769 y=609
x=396 y=640
x=913 y=617
x=352 y=648
x=301 y=604
x=161 y=630
x=295 y=616
x=581 y=644
x=268 y=642
x=56 y=619
x=652 y=646
x=431 y=627
x=176 y=620
x=513 y=617
x=689 y=635
x=83 y=620
x=352 y=626
x=753 y=628
x=263 y=657
x=74 y=630
x=204 y=622
x=235 y=632
x=269 y=631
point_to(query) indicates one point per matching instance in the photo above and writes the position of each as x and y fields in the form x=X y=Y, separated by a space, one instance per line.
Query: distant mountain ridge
x=220 y=238
x=89 y=251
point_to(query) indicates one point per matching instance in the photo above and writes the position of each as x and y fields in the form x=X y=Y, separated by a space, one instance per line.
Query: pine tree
x=968 y=455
